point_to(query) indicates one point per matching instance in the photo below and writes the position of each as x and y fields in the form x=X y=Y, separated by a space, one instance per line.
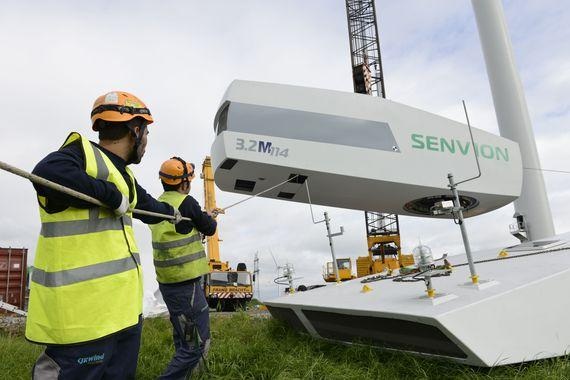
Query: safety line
x=74 y=193
x=548 y=170
x=261 y=192
x=401 y=277
x=565 y=248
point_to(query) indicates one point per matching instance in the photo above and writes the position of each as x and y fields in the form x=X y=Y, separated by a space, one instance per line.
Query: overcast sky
x=179 y=57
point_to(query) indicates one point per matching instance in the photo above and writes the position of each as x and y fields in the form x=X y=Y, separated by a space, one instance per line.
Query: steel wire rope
x=548 y=170
x=400 y=277
x=565 y=248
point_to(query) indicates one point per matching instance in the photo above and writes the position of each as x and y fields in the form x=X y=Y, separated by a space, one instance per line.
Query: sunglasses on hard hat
x=120 y=109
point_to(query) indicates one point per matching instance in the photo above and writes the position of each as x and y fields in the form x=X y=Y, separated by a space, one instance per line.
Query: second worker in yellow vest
x=180 y=262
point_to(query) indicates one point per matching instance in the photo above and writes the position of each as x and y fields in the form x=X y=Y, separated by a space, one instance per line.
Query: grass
x=245 y=347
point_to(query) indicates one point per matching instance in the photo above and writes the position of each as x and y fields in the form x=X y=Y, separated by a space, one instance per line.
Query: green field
x=246 y=347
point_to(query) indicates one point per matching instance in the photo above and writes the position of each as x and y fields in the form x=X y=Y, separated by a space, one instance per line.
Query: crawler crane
x=382 y=230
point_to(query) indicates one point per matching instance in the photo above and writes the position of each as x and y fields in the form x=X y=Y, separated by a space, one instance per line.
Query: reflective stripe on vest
x=80 y=227
x=87 y=281
x=180 y=260
x=176 y=243
x=102 y=170
x=90 y=272
x=177 y=257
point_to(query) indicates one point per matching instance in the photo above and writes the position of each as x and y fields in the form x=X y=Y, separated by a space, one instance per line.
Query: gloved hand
x=215 y=212
x=177 y=217
x=123 y=207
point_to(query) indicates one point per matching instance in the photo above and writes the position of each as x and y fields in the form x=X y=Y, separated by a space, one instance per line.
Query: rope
x=66 y=190
x=261 y=192
x=400 y=278
x=565 y=248
x=548 y=170
x=310 y=203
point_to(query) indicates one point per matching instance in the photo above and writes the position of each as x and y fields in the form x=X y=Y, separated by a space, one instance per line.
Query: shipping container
x=13 y=273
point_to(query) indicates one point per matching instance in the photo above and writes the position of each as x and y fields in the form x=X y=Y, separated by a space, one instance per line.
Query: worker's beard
x=136 y=154
x=139 y=147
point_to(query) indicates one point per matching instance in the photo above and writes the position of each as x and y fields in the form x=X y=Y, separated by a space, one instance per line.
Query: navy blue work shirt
x=67 y=167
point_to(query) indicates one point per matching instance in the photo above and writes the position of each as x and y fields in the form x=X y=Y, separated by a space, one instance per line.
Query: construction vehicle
x=226 y=289
x=382 y=230
x=344 y=270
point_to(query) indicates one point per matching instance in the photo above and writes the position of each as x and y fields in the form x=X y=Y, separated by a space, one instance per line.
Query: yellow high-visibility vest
x=177 y=257
x=87 y=278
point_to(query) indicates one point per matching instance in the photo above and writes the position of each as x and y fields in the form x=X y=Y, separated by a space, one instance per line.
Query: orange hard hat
x=118 y=106
x=176 y=171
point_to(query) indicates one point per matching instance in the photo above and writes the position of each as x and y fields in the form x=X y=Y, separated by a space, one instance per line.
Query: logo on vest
x=94 y=359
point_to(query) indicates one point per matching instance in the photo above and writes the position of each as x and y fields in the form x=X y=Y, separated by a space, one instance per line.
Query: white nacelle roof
x=357 y=151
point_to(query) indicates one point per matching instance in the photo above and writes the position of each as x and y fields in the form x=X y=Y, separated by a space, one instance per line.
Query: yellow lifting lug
x=430 y=293
x=475 y=279
x=366 y=289
x=503 y=253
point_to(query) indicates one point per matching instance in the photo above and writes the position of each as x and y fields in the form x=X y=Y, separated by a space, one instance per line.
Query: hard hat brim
x=117 y=117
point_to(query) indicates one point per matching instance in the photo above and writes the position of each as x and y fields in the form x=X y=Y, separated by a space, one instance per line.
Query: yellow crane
x=212 y=242
x=226 y=289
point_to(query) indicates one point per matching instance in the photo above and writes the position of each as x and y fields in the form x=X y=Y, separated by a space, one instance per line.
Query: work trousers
x=110 y=358
x=189 y=315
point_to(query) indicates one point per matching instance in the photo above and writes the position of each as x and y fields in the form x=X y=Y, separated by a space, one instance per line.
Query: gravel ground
x=12 y=324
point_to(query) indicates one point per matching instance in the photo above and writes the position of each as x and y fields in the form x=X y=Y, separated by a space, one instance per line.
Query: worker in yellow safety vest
x=86 y=288
x=180 y=262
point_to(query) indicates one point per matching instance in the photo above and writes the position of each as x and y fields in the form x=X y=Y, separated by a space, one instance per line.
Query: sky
x=180 y=56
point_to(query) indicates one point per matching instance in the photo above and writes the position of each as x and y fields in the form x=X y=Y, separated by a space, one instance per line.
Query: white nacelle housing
x=357 y=152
